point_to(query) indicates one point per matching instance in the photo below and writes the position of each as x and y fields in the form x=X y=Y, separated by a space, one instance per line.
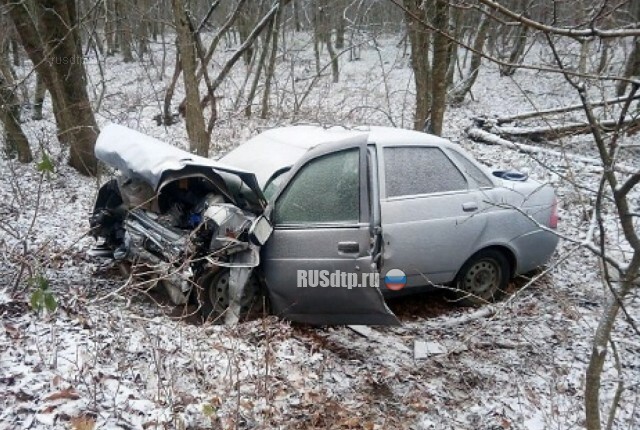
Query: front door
x=318 y=262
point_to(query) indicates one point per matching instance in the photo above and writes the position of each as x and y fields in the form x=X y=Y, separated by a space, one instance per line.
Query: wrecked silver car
x=323 y=220
x=194 y=224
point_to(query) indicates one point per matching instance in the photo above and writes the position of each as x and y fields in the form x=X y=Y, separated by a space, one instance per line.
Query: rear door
x=318 y=263
x=432 y=217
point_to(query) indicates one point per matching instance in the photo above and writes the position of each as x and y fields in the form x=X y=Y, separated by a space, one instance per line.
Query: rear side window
x=413 y=170
x=471 y=169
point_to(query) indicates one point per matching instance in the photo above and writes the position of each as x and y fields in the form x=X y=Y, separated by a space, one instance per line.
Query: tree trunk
x=600 y=346
x=584 y=55
x=476 y=59
x=316 y=39
x=516 y=52
x=57 y=56
x=167 y=115
x=335 y=72
x=15 y=50
x=109 y=26
x=58 y=16
x=258 y=72
x=420 y=39
x=457 y=32
x=323 y=35
x=604 y=57
x=245 y=23
x=15 y=140
x=198 y=138
x=296 y=16
x=12 y=80
x=272 y=64
x=632 y=68
x=123 y=24
x=340 y=27
x=38 y=99
x=440 y=60
x=142 y=27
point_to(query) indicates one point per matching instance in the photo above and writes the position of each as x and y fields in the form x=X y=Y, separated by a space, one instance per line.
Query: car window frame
x=470 y=179
x=363 y=189
x=280 y=173
x=383 y=174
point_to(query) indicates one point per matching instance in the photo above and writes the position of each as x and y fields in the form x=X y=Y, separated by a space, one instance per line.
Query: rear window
x=414 y=170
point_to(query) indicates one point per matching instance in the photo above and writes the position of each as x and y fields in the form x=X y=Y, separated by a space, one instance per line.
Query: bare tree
x=322 y=34
x=52 y=42
x=198 y=137
x=123 y=29
x=464 y=87
x=420 y=38
x=632 y=67
x=275 y=28
x=15 y=140
x=440 y=65
x=430 y=76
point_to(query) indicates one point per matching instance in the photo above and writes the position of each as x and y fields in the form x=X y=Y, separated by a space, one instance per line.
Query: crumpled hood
x=137 y=155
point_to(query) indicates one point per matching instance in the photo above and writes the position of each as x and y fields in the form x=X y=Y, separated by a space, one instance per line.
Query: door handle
x=470 y=206
x=349 y=247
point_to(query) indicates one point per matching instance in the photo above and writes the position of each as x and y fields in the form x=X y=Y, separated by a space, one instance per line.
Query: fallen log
x=538 y=134
x=479 y=135
x=564 y=109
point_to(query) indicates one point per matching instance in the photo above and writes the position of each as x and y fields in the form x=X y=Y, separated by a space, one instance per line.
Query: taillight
x=553 y=220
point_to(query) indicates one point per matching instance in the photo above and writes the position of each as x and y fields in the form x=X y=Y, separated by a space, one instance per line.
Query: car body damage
x=180 y=216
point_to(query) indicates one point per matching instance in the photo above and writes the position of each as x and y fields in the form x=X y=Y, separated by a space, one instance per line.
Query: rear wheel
x=483 y=278
x=214 y=294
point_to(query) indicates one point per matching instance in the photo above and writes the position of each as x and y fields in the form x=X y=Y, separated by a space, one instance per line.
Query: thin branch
x=247 y=43
x=495 y=60
x=560 y=31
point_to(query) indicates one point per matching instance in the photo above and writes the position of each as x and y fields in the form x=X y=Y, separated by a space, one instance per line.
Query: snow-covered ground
x=116 y=357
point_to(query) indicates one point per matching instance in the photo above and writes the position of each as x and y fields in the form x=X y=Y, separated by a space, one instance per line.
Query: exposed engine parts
x=179 y=234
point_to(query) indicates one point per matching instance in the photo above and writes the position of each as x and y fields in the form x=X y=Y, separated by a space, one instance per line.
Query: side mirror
x=260 y=230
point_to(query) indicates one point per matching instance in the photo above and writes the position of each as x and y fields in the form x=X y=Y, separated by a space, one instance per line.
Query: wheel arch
x=509 y=254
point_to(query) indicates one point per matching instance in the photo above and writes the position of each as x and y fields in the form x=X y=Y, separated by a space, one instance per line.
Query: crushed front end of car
x=192 y=224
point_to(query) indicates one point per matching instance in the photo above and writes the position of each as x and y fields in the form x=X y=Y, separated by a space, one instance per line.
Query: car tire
x=213 y=295
x=483 y=278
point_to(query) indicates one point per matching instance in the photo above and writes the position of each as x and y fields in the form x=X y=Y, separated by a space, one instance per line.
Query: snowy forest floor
x=126 y=360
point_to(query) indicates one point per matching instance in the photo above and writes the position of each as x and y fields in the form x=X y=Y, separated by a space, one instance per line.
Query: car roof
x=280 y=148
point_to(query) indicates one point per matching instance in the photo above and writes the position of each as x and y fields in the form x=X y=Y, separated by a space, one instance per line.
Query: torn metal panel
x=140 y=156
x=238 y=278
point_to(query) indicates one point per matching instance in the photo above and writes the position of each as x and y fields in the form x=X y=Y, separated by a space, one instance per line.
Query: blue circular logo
x=395 y=280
